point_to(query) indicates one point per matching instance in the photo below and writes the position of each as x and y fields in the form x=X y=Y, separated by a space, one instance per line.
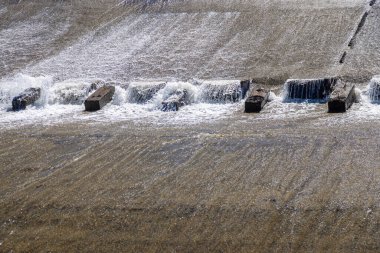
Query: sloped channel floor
x=230 y=185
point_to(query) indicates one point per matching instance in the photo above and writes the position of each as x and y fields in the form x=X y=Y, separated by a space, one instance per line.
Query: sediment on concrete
x=99 y=98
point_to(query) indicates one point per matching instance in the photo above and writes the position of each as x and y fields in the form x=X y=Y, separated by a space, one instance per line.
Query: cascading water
x=142 y=92
x=10 y=88
x=312 y=90
x=63 y=100
x=374 y=90
x=71 y=92
x=228 y=91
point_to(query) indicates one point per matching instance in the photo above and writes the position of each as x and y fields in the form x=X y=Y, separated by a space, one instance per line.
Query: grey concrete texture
x=188 y=39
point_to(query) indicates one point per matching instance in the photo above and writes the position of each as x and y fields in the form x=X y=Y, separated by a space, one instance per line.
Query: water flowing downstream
x=124 y=128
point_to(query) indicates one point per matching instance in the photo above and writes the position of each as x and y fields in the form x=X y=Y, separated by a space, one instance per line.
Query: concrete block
x=341 y=98
x=256 y=101
x=27 y=97
x=99 y=98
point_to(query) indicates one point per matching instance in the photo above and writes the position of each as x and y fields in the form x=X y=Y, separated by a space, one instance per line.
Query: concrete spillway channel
x=27 y=97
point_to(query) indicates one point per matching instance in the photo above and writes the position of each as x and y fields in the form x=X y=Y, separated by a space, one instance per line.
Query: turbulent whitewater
x=64 y=46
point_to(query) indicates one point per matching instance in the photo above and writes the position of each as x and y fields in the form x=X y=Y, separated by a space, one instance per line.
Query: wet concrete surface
x=229 y=186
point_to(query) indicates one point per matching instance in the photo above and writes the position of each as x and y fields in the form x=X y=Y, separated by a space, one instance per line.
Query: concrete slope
x=290 y=186
x=363 y=59
x=178 y=39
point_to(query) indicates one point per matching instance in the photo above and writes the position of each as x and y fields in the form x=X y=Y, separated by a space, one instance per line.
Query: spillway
x=171 y=163
x=228 y=39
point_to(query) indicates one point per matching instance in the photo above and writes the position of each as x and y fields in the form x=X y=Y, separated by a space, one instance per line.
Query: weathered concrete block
x=256 y=101
x=27 y=97
x=245 y=85
x=176 y=100
x=309 y=89
x=341 y=98
x=99 y=98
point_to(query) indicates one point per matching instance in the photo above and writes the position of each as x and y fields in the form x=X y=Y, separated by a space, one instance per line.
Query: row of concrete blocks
x=341 y=98
x=103 y=95
x=176 y=100
x=340 y=95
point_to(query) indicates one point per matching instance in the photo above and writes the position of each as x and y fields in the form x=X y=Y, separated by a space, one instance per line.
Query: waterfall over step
x=142 y=92
x=312 y=90
x=374 y=89
x=73 y=93
x=5 y=97
x=223 y=91
x=175 y=95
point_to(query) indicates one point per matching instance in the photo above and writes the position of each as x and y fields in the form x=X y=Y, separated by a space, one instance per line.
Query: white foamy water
x=362 y=111
x=278 y=109
x=63 y=102
x=12 y=87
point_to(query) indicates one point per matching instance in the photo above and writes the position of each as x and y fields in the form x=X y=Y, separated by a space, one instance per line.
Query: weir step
x=374 y=90
x=342 y=98
x=27 y=97
x=309 y=89
x=99 y=98
x=142 y=92
x=256 y=101
x=223 y=91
